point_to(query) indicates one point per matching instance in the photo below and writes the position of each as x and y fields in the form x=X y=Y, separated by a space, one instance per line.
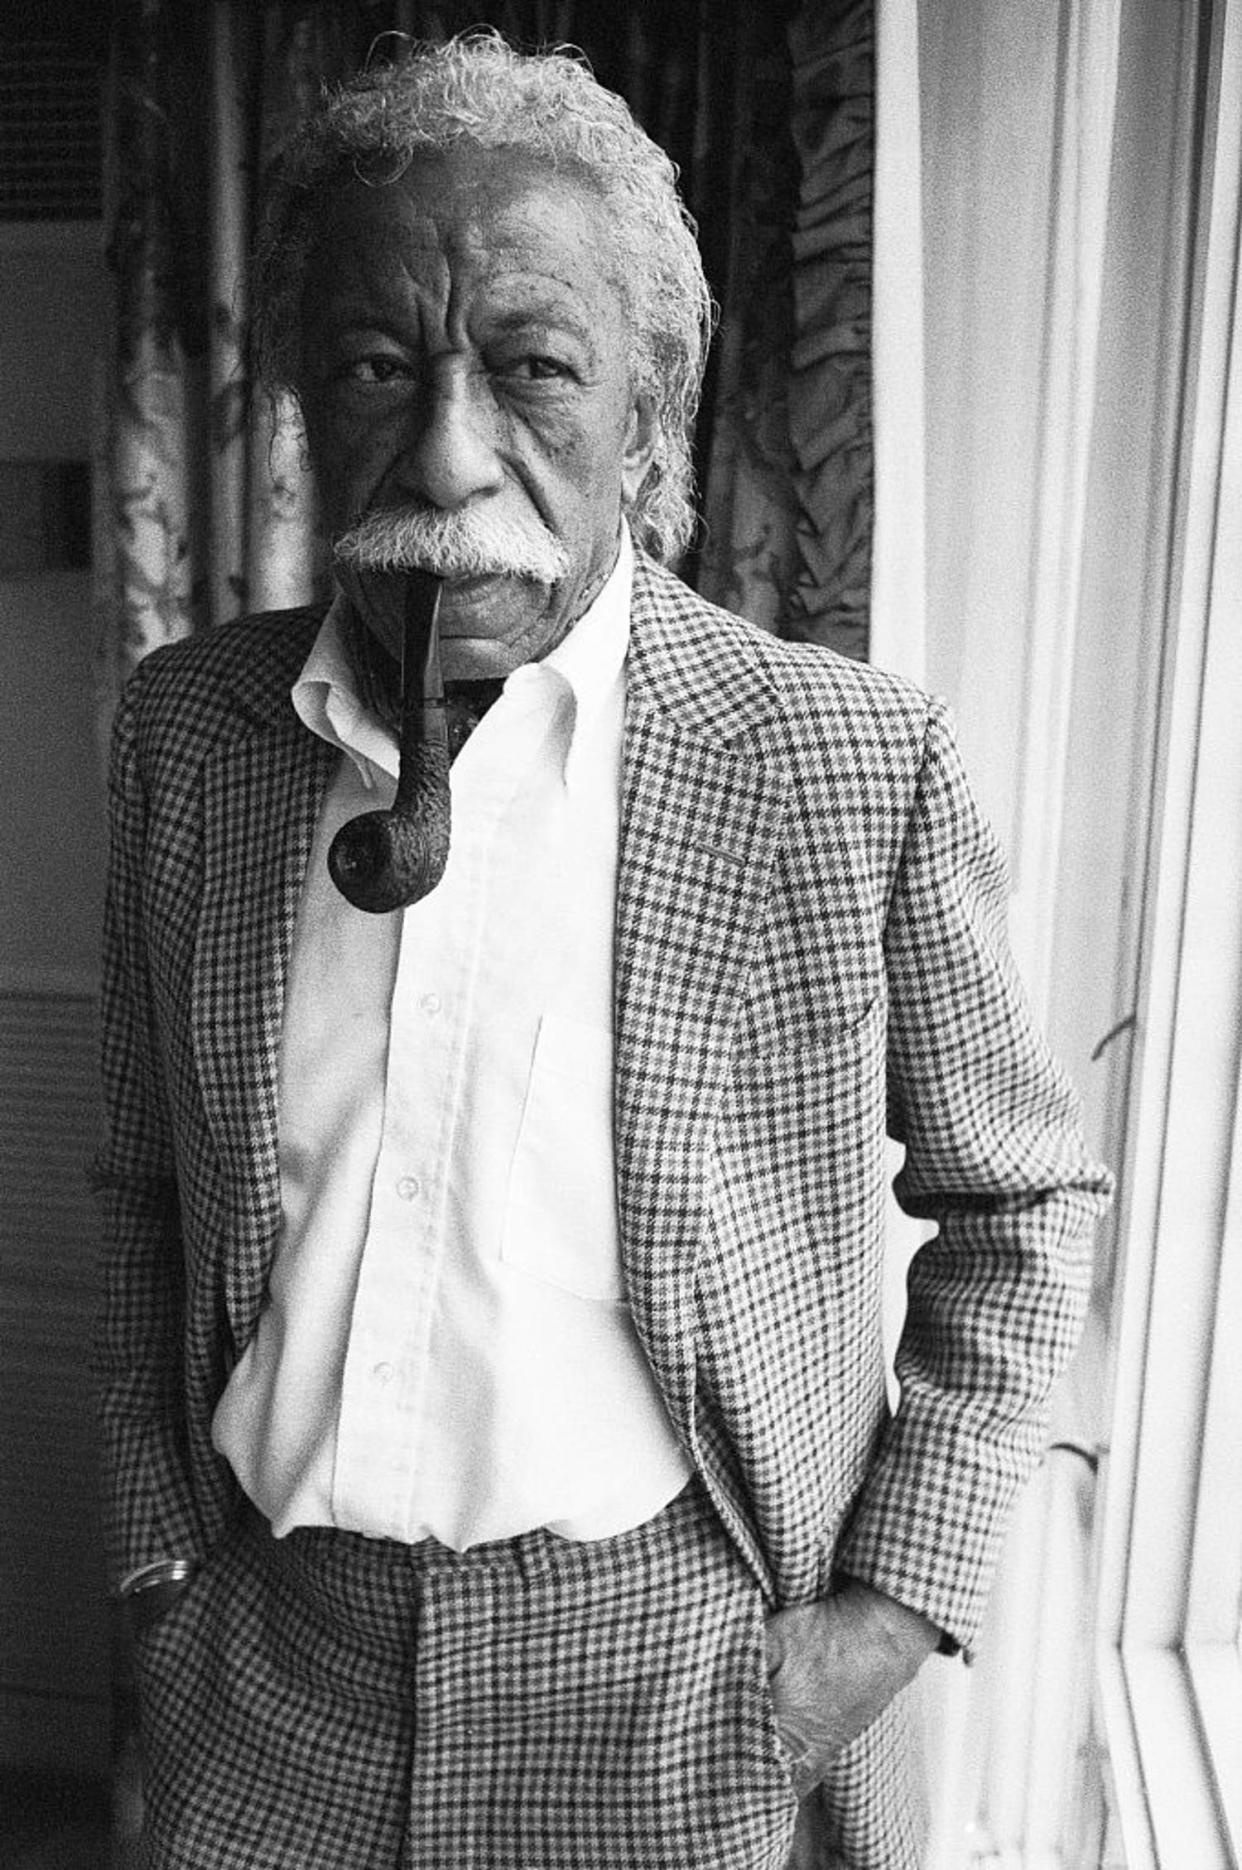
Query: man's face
x=466 y=352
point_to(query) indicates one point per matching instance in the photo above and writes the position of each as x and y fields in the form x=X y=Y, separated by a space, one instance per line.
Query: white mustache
x=453 y=545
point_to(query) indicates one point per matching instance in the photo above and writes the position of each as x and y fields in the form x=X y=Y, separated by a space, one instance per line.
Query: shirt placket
x=388 y=1361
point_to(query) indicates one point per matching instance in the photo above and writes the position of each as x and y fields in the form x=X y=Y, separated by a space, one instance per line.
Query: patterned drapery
x=206 y=508
x=788 y=504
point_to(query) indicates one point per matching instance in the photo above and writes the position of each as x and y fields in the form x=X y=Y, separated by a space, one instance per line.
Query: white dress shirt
x=445 y=1349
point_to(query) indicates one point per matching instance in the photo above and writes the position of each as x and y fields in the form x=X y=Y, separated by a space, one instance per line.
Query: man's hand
x=833 y=1665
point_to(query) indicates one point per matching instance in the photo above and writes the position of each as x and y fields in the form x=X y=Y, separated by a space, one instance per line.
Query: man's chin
x=492 y=621
x=489 y=646
x=477 y=659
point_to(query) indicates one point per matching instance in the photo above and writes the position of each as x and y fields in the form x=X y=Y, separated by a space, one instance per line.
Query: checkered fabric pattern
x=533 y=1705
x=809 y=944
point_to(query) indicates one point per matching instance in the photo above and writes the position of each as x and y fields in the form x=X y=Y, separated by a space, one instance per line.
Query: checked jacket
x=810 y=950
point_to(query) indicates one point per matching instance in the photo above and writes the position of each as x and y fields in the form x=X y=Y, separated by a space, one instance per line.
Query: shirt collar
x=326 y=699
x=589 y=663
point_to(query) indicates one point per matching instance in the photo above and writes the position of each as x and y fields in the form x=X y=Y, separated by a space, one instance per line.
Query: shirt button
x=430 y=1003
x=383 y=1373
x=409 y=1188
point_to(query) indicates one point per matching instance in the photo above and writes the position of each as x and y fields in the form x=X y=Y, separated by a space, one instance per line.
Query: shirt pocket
x=560 y=1219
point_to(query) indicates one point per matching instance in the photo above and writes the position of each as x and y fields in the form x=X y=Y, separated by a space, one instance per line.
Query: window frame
x=1169 y=1664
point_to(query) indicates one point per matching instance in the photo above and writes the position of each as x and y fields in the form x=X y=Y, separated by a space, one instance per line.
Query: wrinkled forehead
x=467 y=201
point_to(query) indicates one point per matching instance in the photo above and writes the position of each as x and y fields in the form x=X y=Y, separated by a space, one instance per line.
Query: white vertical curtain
x=1018 y=130
x=1025 y=205
x=1019 y=114
x=899 y=556
x=992 y=187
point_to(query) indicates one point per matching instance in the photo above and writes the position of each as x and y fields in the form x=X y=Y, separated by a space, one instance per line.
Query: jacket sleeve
x=138 y=1349
x=995 y=1157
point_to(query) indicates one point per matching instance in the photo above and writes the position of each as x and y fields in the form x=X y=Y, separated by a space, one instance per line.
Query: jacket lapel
x=262 y=790
x=702 y=810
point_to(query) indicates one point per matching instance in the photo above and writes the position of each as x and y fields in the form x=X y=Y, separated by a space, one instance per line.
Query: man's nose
x=448 y=453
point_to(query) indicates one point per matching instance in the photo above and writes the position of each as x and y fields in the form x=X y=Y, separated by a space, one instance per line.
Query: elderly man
x=501 y=1468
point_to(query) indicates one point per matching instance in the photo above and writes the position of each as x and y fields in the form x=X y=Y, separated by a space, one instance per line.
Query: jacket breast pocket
x=560 y=1219
x=799 y=1145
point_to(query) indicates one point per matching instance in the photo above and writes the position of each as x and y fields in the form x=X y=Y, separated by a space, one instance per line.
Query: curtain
x=1030 y=231
x=207 y=509
x=897 y=613
x=788 y=500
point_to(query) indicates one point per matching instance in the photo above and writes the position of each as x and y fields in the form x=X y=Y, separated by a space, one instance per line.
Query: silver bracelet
x=158 y=1571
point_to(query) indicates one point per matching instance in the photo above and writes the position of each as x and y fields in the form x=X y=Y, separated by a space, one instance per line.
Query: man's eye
x=544 y=367
x=537 y=367
x=378 y=369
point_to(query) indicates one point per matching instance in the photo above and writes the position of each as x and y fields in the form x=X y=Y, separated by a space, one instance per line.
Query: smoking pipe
x=388 y=860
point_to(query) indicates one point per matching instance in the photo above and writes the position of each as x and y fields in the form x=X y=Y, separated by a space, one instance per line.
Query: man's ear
x=640 y=446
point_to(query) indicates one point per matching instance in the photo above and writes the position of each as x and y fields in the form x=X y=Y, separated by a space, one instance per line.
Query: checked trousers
x=329 y=1702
